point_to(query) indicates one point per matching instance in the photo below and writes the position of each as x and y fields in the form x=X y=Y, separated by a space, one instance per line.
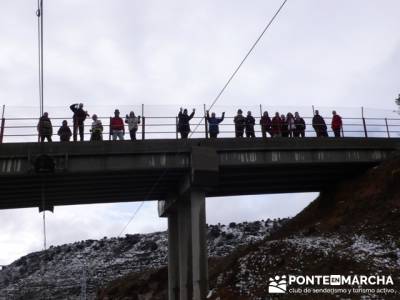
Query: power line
x=241 y=63
x=211 y=106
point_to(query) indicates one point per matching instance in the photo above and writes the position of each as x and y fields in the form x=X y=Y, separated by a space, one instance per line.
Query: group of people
x=117 y=126
x=279 y=126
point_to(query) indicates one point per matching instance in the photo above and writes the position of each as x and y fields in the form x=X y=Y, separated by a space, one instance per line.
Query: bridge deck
x=121 y=171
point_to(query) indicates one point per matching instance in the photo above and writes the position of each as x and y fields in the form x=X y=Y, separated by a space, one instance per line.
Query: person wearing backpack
x=64 y=132
x=44 y=128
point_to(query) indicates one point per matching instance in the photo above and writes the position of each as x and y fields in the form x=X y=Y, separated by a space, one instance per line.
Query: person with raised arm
x=79 y=118
x=183 y=122
x=213 y=123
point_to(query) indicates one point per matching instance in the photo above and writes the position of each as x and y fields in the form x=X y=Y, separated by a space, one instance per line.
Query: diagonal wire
x=211 y=106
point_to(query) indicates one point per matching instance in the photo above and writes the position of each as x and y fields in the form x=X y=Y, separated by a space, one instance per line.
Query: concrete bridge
x=180 y=174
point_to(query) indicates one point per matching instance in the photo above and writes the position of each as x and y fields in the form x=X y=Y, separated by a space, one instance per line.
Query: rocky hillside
x=81 y=268
x=351 y=229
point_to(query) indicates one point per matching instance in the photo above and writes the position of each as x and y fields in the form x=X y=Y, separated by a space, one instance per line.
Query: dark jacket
x=65 y=133
x=299 y=124
x=183 y=122
x=265 y=123
x=213 y=123
x=250 y=121
x=240 y=123
x=276 y=125
x=318 y=123
x=79 y=114
x=44 y=126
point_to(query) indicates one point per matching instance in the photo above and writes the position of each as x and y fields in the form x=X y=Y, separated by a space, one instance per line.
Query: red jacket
x=336 y=122
x=117 y=123
x=276 y=125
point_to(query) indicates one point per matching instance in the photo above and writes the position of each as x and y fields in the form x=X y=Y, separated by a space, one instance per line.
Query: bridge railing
x=165 y=127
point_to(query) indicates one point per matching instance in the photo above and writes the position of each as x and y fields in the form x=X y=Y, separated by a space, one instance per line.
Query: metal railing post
x=364 y=124
x=387 y=128
x=261 y=112
x=205 y=121
x=365 y=127
x=143 y=127
x=2 y=126
x=176 y=127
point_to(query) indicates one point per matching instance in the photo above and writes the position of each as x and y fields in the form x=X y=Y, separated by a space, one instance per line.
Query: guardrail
x=25 y=129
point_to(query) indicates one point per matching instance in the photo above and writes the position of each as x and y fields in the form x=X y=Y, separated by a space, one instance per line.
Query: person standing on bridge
x=276 y=125
x=117 y=128
x=44 y=128
x=265 y=123
x=336 y=124
x=240 y=123
x=284 y=126
x=183 y=122
x=96 y=130
x=64 y=132
x=132 y=122
x=78 y=120
x=250 y=122
x=319 y=125
x=300 y=126
x=213 y=124
x=290 y=123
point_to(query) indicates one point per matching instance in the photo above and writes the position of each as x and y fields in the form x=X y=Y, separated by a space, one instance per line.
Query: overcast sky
x=333 y=53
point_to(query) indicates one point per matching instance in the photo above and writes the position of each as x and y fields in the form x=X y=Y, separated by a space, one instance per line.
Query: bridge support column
x=187 y=248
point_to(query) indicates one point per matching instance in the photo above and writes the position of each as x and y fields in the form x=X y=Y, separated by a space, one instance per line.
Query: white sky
x=334 y=53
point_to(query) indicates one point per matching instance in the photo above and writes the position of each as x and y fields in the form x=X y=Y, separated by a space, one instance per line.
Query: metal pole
x=205 y=121
x=261 y=112
x=2 y=126
x=143 y=122
x=143 y=127
x=364 y=123
x=313 y=110
x=387 y=128
x=176 y=127
x=39 y=14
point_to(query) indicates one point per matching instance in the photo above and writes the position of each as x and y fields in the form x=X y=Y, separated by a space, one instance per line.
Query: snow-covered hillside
x=74 y=270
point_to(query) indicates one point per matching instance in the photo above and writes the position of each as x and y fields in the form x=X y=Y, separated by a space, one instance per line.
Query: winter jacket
x=116 y=123
x=65 y=133
x=240 y=123
x=276 y=125
x=213 y=123
x=318 y=123
x=132 y=122
x=265 y=123
x=250 y=121
x=183 y=122
x=336 y=122
x=79 y=114
x=299 y=124
x=44 y=126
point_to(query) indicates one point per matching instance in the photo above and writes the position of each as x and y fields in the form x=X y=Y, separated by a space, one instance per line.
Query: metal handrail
x=11 y=127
